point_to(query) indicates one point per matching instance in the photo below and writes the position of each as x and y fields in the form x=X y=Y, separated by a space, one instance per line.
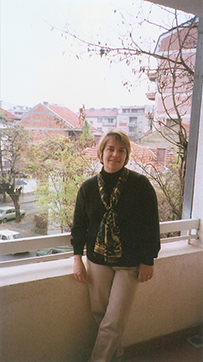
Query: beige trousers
x=112 y=291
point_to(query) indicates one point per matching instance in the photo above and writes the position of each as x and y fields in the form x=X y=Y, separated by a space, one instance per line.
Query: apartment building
x=103 y=119
x=133 y=120
x=172 y=82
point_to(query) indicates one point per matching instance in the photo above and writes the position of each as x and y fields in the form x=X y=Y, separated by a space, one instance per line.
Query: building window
x=132 y=129
x=125 y=110
x=133 y=120
x=137 y=110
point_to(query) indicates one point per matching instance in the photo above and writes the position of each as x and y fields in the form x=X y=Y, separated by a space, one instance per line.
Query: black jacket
x=137 y=215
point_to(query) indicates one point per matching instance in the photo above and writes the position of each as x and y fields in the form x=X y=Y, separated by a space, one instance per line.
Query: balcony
x=151 y=96
x=133 y=124
x=45 y=313
x=152 y=75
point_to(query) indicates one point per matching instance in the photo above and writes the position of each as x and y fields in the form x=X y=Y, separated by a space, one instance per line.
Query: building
x=103 y=119
x=16 y=110
x=8 y=116
x=19 y=111
x=172 y=82
x=133 y=120
x=45 y=120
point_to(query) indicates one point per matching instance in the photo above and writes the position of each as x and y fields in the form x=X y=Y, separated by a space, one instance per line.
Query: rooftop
x=8 y=115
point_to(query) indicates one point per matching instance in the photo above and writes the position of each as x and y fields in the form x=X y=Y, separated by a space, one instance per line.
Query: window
x=133 y=120
x=137 y=110
x=132 y=129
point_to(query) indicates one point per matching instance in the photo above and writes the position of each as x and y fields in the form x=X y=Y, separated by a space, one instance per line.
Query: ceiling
x=189 y=6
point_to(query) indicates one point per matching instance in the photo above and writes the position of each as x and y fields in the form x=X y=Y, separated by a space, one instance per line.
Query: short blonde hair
x=117 y=135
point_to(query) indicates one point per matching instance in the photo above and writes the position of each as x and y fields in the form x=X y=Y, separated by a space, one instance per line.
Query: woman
x=116 y=217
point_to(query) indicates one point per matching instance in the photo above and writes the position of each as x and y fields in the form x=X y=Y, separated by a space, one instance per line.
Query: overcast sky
x=38 y=64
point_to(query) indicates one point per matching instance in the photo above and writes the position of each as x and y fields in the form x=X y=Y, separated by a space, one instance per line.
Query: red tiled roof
x=141 y=153
x=186 y=126
x=67 y=115
x=7 y=115
x=91 y=153
x=148 y=156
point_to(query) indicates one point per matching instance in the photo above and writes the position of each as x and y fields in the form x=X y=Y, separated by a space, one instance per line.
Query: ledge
x=178 y=248
x=51 y=269
x=31 y=272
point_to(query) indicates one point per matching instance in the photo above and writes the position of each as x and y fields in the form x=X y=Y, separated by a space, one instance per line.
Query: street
x=27 y=225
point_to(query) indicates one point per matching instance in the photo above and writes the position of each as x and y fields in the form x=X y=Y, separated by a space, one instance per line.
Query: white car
x=9 y=213
x=9 y=235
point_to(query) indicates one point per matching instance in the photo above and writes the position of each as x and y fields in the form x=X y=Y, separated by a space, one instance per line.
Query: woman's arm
x=79 y=269
x=79 y=225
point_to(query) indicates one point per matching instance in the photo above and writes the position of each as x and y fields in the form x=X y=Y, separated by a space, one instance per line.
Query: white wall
x=45 y=314
x=31 y=185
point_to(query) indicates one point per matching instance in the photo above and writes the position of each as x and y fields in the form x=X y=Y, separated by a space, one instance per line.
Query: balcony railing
x=184 y=229
x=187 y=229
x=45 y=313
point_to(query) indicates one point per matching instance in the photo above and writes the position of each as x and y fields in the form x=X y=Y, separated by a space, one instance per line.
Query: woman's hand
x=79 y=269
x=145 y=273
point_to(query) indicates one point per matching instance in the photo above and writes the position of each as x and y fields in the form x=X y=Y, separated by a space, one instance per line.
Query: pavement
x=27 y=226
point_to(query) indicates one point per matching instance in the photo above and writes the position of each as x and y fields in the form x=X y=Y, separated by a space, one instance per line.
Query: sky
x=39 y=64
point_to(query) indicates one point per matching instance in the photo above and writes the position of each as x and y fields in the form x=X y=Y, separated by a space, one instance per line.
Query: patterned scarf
x=108 y=241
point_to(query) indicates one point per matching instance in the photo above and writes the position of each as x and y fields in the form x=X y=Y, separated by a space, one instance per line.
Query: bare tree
x=173 y=71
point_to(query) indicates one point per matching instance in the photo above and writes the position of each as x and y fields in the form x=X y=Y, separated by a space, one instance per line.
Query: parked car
x=54 y=251
x=8 y=213
x=9 y=235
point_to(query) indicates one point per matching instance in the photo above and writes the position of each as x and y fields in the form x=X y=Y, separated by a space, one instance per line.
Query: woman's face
x=114 y=156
